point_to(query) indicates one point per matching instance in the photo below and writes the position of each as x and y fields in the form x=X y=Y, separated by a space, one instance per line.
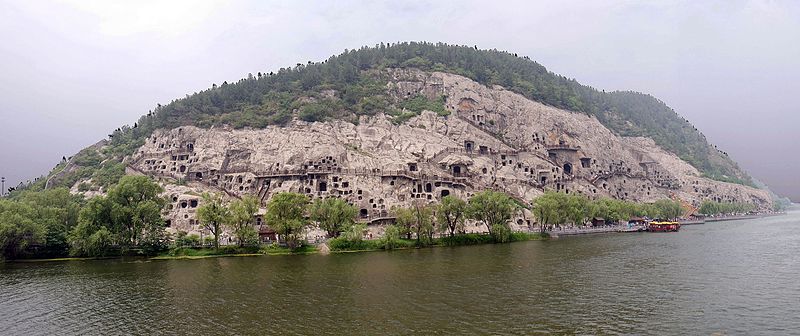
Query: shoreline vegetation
x=128 y=222
x=372 y=245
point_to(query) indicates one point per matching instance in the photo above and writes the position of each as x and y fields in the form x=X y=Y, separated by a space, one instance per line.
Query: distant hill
x=301 y=91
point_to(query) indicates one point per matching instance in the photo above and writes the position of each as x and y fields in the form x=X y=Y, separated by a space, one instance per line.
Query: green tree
x=136 y=210
x=547 y=209
x=286 y=215
x=128 y=217
x=243 y=212
x=18 y=230
x=94 y=216
x=493 y=209
x=391 y=237
x=405 y=220
x=333 y=215
x=213 y=215
x=355 y=233
x=423 y=223
x=669 y=209
x=607 y=209
x=57 y=210
x=577 y=209
x=451 y=213
x=716 y=208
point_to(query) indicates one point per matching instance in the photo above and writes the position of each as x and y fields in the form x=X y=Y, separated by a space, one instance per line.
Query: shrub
x=343 y=244
x=466 y=239
x=501 y=233
x=391 y=238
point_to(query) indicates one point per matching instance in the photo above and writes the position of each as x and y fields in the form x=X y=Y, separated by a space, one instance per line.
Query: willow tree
x=423 y=223
x=286 y=215
x=546 y=209
x=493 y=209
x=333 y=215
x=213 y=214
x=451 y=213
x=242 y=212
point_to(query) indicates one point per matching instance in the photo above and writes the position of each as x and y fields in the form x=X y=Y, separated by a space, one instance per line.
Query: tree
x=493 y=209
x=129 y=216
x=286 y=215
x=18 y=230
x=423 y=223
x=607 y=209
x=241 y=221
x=546 y=209
x=716 y=208
x=669 y=209
x=450 y=214
x=57 y=210
x=405 y=219
x=391 y=237
x=576 y=209
x=136 y=210
x=213 y=215
x=95 y=216
x=333 y=215
x=355 y=233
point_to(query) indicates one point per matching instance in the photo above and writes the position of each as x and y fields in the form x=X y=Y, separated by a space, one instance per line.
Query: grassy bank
x=233 y=251
x=339 y=245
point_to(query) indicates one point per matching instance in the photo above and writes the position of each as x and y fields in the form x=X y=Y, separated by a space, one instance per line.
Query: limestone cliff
x=491 y=139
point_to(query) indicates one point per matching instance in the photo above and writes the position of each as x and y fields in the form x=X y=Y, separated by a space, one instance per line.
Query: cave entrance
x=568 y=168
x=469 y=145
x=445 y=192
x=323 y=186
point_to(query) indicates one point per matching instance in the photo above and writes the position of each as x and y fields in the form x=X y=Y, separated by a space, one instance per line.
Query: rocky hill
x=387 y=125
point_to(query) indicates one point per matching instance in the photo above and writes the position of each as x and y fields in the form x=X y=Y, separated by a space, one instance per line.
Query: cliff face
x=492 y=139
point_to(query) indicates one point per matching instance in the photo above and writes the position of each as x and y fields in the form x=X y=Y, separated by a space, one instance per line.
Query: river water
x=740 y=277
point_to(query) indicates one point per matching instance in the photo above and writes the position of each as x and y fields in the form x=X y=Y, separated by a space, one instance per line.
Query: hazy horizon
x=75 y=70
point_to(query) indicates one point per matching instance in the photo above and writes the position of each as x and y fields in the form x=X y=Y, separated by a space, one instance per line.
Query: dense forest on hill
x=304 y=91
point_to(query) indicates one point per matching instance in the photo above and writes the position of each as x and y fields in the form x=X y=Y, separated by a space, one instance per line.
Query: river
x=739 y=277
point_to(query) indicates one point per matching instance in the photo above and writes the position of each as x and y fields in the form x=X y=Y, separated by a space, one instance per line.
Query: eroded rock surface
x=493 y=139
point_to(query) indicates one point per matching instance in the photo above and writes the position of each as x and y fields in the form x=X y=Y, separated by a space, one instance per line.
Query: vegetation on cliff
x=353 y=84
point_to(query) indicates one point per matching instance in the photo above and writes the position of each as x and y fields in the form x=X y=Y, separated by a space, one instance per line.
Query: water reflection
x=737 y=277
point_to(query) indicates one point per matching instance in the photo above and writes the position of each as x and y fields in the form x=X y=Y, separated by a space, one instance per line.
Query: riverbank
x=367 y=245
x=374 y=245
x=595 y=230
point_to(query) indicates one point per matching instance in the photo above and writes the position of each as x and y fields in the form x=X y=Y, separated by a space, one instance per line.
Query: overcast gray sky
x=71 y=71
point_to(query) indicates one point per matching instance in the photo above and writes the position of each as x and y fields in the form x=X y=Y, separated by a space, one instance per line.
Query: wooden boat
x=663 y=226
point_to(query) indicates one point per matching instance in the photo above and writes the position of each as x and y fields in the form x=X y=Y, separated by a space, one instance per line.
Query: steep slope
x=493 y=121
x=491 y=138
x=304 y=92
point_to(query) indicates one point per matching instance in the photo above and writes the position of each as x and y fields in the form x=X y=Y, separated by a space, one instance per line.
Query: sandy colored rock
x=493 y=139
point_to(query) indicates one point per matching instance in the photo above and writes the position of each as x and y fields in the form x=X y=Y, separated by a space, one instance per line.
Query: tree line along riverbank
x=127 y=221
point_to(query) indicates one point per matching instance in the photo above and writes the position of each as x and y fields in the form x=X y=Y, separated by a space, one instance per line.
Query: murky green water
x=730 y=278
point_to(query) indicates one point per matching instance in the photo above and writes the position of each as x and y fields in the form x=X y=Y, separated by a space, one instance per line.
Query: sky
x=71 y=71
